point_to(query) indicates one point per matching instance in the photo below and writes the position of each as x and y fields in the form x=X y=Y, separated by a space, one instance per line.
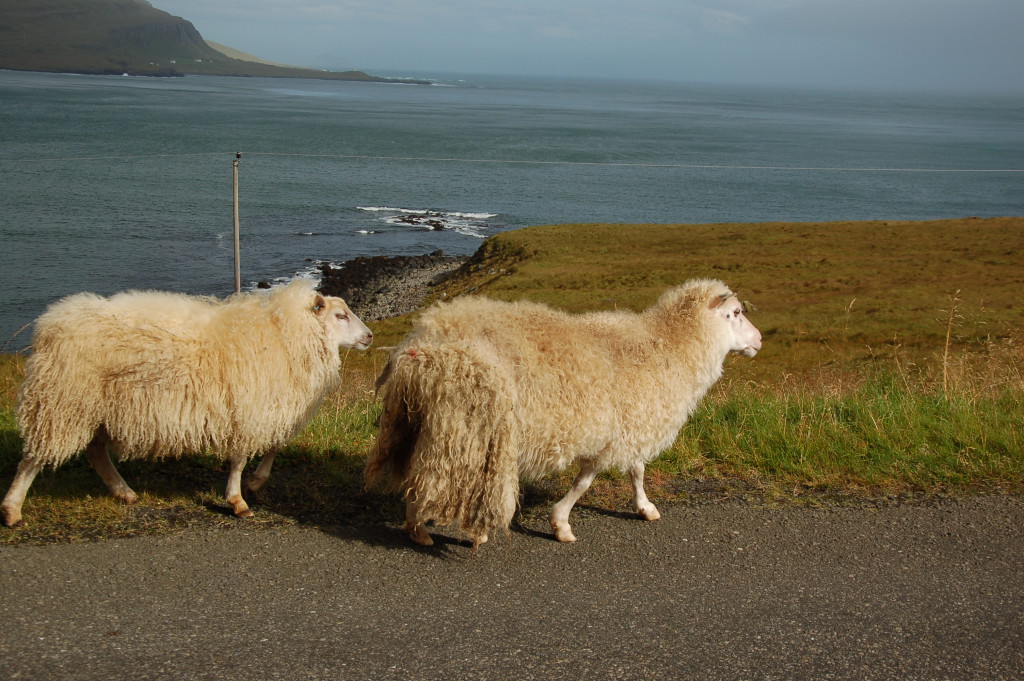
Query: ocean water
x=111 y=183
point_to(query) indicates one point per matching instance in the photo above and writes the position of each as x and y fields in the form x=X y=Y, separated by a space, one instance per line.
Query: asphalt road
x=716 y=591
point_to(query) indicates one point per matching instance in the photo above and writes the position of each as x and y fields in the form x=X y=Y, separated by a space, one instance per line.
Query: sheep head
x=343 y=326
x=742 y=336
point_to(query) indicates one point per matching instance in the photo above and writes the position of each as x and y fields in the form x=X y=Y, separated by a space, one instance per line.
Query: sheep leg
x=259 y=477
x=98 y=456
x=15 y=497
x=234 y=491
x=640 y=501
x=560 y=511
x=414 y=525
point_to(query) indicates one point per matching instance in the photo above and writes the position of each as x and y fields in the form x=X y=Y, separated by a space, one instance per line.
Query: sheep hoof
x=13 y=520
x=241 y=508
x=128 y=497
x=650 y=513
x=477 y=541
x=419 y=534
x=564 y=534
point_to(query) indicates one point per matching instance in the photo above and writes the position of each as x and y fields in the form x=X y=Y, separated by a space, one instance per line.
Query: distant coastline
x=302 y=74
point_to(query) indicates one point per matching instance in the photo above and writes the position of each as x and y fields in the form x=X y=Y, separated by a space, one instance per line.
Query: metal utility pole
x=234 y=187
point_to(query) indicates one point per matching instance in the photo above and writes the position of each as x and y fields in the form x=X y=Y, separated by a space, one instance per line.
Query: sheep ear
x=319 y=304
x=718 y=300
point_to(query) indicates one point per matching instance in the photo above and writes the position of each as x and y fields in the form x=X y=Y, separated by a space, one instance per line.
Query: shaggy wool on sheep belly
x=483 y=393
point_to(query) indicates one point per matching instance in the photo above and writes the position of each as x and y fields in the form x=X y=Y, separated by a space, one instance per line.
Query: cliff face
x=95 y=36
x=121 y=36
x=168 y=37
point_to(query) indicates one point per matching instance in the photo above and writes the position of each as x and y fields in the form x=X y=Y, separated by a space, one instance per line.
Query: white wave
x=428 y=211
x=461 y=222
x=406 y=211
x=467 y=229
x=473 y=216
x=311 y=273
x=379 y=209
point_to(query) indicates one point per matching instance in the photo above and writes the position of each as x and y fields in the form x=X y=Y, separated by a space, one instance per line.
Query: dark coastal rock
x=386 y=286
x=434 y=221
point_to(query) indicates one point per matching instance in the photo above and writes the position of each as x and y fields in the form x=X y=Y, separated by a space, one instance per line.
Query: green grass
x=892 y=367
x=883 y=437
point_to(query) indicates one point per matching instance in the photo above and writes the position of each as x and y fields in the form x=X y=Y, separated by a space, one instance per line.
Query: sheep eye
x=342 y=316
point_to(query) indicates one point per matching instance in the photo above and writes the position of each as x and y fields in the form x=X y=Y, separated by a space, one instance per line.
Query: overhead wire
x=442 y=159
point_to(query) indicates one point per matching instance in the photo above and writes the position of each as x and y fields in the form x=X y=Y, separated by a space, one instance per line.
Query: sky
x=965 y=45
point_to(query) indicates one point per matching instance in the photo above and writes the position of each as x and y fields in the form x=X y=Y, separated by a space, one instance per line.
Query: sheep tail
x=447 y=439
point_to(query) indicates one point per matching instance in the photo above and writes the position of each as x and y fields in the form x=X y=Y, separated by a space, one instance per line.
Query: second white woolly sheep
x=483 y=392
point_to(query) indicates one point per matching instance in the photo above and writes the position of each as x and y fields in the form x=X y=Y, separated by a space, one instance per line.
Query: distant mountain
x=125 y=36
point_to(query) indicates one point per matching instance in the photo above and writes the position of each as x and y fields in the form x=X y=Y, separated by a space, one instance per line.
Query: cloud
x=875 y=19
x=722 y=22
x=558 y=33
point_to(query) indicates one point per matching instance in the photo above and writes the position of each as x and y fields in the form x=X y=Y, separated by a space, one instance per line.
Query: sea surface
x=113 y=183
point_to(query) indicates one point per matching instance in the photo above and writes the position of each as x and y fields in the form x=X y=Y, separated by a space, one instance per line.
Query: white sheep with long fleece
x=484 y=392
x=157 y=374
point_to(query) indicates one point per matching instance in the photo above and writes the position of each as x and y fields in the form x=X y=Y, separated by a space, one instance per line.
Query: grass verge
x=892 y=369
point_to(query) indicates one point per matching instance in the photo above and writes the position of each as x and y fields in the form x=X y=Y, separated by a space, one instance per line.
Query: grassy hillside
x=837 y=294
x=892 y=368
x=121 y=36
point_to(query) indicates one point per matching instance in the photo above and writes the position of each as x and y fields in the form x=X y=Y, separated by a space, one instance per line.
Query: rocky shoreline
x=387 y=286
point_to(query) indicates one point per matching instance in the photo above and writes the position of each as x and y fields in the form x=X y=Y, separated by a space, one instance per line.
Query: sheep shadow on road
x=306 y=488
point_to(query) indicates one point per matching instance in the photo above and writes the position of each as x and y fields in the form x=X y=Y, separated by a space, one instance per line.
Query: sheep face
x=343 y=327
x=742 y=336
